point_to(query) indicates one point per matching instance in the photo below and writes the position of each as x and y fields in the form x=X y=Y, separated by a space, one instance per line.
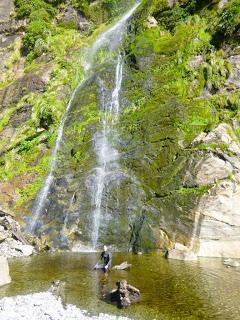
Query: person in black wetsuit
x=106 y=256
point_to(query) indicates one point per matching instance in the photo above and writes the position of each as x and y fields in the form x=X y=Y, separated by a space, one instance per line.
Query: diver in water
x=106 y=256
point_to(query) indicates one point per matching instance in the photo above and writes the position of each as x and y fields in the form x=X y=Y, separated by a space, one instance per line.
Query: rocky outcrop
x=32 y=82
x=219 y=224
x=72 y=17
x=4 y=271
x=12 y=242
x=217 y=218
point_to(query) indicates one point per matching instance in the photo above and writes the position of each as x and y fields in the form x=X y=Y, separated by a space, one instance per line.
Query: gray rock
x=6 y=8
x=219 y=223
x=12 y=248
x=32 y=82
x=211 y=169
x=74 y=17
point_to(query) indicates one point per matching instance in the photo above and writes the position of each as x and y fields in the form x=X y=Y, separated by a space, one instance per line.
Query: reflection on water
x=170 y=289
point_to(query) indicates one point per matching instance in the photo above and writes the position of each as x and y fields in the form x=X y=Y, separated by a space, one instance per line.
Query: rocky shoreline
x=45 y=306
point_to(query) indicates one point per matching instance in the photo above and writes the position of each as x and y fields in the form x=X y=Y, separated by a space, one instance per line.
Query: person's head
x=104 y=248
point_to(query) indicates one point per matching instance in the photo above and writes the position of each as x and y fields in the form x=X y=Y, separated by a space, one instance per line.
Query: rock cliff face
x=178 y=132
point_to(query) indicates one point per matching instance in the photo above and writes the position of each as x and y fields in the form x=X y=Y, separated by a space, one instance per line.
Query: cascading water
x=107 y=156
x=42 y=196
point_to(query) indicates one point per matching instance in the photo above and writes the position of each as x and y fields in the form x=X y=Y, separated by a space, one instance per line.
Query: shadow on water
x=169 y=289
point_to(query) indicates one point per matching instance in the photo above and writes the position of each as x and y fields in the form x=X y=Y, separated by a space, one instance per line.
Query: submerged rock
x=4 y=272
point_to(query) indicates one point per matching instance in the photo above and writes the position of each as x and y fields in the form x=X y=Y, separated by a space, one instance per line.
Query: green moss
x=195 y=190
x=212 y=146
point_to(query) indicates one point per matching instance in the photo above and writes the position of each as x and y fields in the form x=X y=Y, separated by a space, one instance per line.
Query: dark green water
x=170 y=289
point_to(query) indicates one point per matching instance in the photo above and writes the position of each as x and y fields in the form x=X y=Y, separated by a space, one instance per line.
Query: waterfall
x=40 y=202
x=106 y=155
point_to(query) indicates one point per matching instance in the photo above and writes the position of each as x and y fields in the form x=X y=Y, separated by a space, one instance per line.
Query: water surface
x=170 y=289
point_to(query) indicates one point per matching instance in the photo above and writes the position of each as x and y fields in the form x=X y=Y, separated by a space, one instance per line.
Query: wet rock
x=125 y=294
x=4 y=271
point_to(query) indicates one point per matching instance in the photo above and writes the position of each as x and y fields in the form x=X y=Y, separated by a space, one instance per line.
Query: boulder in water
x=125 y=294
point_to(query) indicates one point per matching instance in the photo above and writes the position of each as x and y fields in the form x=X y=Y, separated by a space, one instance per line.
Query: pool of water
x=205 y=289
